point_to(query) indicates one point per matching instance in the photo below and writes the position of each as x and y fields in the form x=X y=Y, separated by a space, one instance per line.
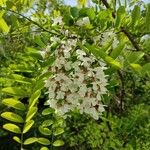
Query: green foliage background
x=25 y=32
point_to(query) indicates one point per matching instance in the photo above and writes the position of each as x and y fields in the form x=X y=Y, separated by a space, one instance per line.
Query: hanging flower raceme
x=78 y=82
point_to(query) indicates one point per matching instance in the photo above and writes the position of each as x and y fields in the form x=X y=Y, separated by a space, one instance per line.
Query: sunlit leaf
x=3 y=25
x=17 y=139
x=58 y=131
x=135 y=15
x=47 y=111
x=120 y=16
x=27 y=126
x=12 y=117
x=10 y=102
x=47 y=123
x=43 y=141
x=15 y=91
x=44 y=148
x=32 y=111
x=58 y=143
x=34 y=98
x=30 y=140
x=20 y=78
x=45 y=131
x=148 y=18
x=12 y=128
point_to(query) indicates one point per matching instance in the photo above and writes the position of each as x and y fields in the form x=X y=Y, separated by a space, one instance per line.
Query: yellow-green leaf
x=19 y=78
x=43 y=141
x=27 y=126
x=10 y=102
x=120 y=16
x=12 y=117
x=45 y=131
x=30 y=140
x=3 y=25
x=44 y=148
x=32 y=111
x=2 y=2
x=47 y=111
x=58 y=131
x=34 y=98
x=15 y=91
x=148 y=18
x=17 y=139
x=12 y=128
x=58 y=143
x=135 y=15
x=47 y=123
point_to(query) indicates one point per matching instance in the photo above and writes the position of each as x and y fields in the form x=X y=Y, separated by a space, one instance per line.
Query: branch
x=123 y=29
x=30 y=20
x=130 y=37
x=122 y=92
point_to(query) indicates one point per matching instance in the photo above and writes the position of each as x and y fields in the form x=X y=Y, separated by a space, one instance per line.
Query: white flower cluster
x=78 y=82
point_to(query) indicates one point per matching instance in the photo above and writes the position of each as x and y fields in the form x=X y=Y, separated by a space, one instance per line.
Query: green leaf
x=91 y=13
x=116 y=52
x=34 y=53
x=10 y=102
x=3 y=25
x=113 y=62
x=43 y=141
x=146 y=68
x=58 y=131
x=74 y=12
x=136 y=67
x=58 y=143
x=133 y=57
x=12 y=117
x=47 y=123
x=44 y=148
x=120 y=16
x=12 y=128
x=99 y=53
x=34 y=98
x=32 y=111
x=44 y=76
x=48 y=62
x=39 y=41
x=148 y=18
x=30 y=140
x=19 y=78
x=15 y=91
x=47 y=111
x=45 y=131
x=27 y=126
x=2 y=2
x=135 y=15
x=17 y=139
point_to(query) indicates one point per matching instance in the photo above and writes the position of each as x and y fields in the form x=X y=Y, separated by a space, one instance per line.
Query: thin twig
x=123 y=29
x=122 y=92
x=30 y=20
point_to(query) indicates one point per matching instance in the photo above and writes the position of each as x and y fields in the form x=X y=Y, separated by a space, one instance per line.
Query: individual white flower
x=101 y=108
x=82 y=90
x=95 y=86
x=99 y=95
x=57 y=21
x=83 y=21
x=68 y=65
x=60 y=95
x=55 y=39
x=73 y=87
x=76 y=65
